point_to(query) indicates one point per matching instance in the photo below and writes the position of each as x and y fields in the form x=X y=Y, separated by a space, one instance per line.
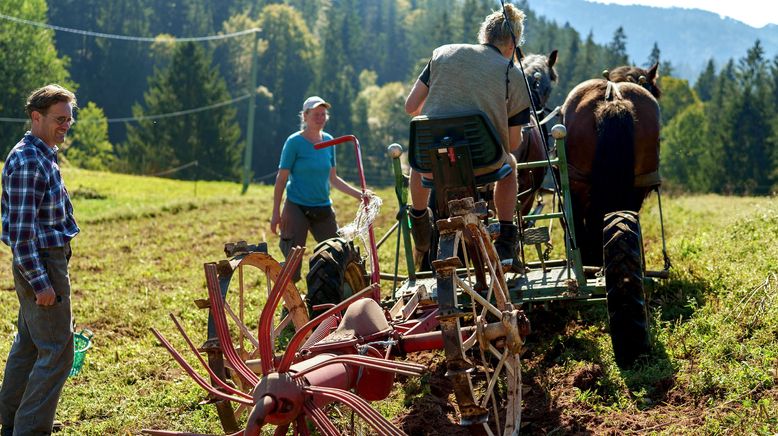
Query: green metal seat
x=462 y=151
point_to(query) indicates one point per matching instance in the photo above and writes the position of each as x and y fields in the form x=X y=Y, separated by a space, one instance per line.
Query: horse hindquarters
x=612 y=177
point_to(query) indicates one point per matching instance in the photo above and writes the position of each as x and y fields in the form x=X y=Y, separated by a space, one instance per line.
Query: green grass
x=144 y=241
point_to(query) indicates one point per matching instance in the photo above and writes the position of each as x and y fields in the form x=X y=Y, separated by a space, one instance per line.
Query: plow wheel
x=245 y=282
x=623 y=268
x=484 y=367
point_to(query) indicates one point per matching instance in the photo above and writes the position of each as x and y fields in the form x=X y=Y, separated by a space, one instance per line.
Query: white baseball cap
x=314 y=102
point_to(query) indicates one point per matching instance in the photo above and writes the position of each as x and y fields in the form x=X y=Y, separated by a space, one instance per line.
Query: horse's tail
x=613 y=169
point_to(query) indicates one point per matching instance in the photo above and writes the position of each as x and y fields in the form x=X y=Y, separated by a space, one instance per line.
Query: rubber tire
x=336 y=272
x=623 y=269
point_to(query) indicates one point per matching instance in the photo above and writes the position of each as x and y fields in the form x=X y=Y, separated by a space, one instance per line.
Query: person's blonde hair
x=494 y=29
x=43 y=98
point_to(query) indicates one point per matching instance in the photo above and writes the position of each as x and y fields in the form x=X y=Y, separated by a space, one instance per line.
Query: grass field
x=143 y=242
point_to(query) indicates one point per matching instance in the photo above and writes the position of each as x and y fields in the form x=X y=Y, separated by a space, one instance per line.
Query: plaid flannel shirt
x=36 y=208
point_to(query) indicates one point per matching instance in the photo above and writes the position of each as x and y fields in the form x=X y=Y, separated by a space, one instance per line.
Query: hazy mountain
x=688 y=38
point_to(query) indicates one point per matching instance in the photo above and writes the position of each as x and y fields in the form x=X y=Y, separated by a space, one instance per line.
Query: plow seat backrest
x=461 y=151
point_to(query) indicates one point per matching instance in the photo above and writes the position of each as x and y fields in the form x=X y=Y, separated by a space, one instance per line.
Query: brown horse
x=541 y=76
x=612 y=150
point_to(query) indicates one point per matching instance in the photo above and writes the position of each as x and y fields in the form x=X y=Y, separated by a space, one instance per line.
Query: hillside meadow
x=144 y=241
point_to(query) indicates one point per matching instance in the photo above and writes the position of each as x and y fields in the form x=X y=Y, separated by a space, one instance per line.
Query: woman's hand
x=275 y=220
x=368 y=194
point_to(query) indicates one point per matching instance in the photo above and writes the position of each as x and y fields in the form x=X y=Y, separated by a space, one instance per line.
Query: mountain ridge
x=688 y=38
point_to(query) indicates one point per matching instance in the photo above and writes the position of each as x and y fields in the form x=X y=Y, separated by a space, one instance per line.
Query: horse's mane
x=633 y=74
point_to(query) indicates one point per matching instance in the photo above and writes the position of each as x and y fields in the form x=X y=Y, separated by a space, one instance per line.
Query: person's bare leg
x=419 y=194
x=507 y=244
x=505 y=192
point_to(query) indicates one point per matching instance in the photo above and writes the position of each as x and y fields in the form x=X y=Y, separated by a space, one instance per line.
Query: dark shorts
x=297 y=220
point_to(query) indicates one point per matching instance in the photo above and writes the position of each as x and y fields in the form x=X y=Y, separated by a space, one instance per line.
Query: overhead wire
x=174 y=39
x=155 y=116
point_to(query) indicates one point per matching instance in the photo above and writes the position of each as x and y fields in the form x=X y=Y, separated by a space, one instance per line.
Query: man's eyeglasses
x=62 y=120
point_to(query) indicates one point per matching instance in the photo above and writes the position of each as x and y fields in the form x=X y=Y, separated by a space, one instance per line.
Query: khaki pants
x=297 y=220
x=42 y=353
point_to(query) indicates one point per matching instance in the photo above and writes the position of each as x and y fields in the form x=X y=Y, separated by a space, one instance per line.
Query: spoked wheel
x=252 y=276
x=483 y=361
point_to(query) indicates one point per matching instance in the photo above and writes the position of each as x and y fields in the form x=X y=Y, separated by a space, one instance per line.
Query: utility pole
x=247 y=155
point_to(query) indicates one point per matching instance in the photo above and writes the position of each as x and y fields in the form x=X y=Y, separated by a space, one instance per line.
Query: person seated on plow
x=467 y=77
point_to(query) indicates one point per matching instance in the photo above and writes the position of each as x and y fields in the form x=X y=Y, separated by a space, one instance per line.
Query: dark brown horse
x=612 y=150
x=541 y=76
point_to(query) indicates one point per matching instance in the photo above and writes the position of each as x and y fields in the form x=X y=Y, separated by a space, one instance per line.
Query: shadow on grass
x=676 y=297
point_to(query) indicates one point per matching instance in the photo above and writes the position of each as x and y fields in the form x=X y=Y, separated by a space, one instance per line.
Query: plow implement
x=271 y=366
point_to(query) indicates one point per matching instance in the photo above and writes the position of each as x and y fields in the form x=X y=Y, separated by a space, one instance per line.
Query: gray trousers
x=42 y=353
x=298 y=220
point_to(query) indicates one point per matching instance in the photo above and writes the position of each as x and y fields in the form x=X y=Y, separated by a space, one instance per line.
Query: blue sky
x=756 y=13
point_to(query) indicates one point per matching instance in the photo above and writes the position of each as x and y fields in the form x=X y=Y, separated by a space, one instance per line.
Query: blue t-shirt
x=309 y=170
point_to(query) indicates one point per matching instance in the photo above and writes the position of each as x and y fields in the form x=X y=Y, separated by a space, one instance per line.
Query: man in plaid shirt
x=38 y=224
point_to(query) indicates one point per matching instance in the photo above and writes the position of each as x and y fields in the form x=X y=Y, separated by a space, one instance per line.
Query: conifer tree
x=653 y=57
x=210 y=137
x=704 y=84
x=617 y=49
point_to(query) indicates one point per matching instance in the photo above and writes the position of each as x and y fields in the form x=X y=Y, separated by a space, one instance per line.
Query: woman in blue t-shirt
x=307 y=175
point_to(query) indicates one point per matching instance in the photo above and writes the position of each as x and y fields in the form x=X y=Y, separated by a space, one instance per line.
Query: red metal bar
x=360 y=406
x=265 y=327
x=194 y=375
x=376 y=273
x=421 y=342
x=427 y=341
x=319 y=419
x=222 y=331
x=299 y=335
x=301 y=427
x=229 y=389
x=428 y=323
x=404 y=368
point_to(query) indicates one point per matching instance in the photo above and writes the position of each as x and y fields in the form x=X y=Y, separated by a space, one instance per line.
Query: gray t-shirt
x=466 y=77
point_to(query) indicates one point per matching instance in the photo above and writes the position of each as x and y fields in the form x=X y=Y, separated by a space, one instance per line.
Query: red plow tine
x=225 y=386
x=320 y=419
x=222 y=331
x=194 y=375
x=301 y=427
x=299 y=335
x=265 y=329
x=360 y=406
x=404 y=368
